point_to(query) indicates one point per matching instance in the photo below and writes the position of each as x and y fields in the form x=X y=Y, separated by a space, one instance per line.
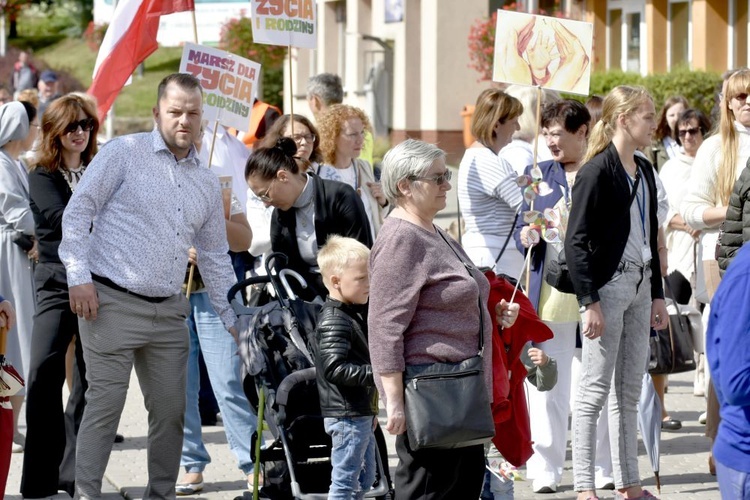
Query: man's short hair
x=339 y=252
x=327 y=87
x=182 y=80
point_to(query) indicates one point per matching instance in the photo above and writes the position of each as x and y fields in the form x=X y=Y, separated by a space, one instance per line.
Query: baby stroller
x=280 y=385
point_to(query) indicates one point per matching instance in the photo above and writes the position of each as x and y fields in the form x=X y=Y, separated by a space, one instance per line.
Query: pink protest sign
x=229 y=83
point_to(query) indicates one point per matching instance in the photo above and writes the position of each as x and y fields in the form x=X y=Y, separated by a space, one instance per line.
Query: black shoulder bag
x=467 y=420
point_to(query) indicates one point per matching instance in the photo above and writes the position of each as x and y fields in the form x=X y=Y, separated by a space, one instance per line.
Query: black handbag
x=672 y=349
x=447 y=404
x=557 y=274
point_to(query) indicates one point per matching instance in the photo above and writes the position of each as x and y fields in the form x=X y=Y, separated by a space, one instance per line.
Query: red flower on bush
x=237 y=37
x=94 y=35
x=482 y=41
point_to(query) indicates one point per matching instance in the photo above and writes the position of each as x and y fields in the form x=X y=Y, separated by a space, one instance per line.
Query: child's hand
x=538 y=357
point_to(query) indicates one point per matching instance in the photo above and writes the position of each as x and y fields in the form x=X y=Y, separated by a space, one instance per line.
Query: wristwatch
x=583 y=309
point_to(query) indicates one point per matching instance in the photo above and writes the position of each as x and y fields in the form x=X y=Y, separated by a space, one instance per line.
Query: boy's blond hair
x=337 y=253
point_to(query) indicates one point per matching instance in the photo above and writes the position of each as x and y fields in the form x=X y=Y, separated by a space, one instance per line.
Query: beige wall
x=431 y=81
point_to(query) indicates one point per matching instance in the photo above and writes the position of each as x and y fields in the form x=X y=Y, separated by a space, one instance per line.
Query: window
x=679 y=34
x=615 y=39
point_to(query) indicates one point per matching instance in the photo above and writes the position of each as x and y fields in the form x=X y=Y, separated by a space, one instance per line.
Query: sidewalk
x=684 y=470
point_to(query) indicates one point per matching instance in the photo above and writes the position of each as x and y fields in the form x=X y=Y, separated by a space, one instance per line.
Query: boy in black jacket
x=348 y=397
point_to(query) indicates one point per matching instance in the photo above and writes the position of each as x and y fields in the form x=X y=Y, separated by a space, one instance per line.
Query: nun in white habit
x=17 y=248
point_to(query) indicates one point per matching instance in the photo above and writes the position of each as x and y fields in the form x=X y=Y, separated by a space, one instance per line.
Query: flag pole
x=210 y=153
x=536 y=146
x=210 y=158
x=291 y=90
x=195 y=25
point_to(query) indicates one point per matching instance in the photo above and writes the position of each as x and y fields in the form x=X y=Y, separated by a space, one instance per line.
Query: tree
x=237 y=38
x=11 y=9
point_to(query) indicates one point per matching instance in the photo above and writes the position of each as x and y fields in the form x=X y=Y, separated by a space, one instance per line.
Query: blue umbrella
x=649 y=421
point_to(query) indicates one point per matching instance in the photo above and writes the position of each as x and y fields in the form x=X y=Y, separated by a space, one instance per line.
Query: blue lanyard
x=641 y=202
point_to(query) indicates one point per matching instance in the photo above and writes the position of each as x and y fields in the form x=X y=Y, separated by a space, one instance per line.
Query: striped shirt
x=487 y=192
x=147 y=209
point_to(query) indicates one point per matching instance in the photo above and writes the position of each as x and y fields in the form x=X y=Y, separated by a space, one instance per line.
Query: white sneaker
x=541 y=486
x=702 y=419
x=604 y=483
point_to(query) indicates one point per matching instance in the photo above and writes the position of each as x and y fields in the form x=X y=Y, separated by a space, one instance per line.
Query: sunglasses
x=86 y=125
x=437 y=179
x=691 y=131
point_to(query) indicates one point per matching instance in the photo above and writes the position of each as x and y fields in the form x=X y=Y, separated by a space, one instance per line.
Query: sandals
x=645 y=495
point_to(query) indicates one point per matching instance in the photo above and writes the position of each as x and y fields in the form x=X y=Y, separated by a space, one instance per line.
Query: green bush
x=698 y=87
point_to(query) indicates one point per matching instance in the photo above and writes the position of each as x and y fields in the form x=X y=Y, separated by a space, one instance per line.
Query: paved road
x=683 y=464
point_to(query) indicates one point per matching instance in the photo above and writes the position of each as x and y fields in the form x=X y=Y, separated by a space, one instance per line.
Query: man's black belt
x=114 y=286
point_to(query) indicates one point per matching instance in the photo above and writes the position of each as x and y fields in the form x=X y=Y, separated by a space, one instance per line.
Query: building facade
x=406 y=62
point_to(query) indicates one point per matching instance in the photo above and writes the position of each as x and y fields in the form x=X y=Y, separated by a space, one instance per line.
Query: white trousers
x=550 y=410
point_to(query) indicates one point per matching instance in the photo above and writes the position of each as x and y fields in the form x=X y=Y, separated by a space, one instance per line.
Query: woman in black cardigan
x=68 y=143
x=308 y=210
x=612 y=253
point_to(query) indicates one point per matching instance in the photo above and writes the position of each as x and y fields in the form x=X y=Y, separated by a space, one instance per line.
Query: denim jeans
x=612 y=367
x=733 y=484
x=208 y=335
x=352 y=456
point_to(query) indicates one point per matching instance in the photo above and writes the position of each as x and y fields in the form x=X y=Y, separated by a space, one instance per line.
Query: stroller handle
x=282 y=393
x=253 y=280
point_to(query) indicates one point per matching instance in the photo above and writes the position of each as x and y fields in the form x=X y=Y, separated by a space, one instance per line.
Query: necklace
x=73 y=176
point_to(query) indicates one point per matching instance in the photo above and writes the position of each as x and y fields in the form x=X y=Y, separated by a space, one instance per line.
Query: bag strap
x=507 y=239
x=479 y=298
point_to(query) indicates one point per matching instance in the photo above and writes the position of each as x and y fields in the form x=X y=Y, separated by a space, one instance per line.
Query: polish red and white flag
x=129 y=40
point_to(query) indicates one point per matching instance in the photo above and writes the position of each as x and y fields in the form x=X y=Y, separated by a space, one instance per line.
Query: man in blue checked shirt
x=145 y=200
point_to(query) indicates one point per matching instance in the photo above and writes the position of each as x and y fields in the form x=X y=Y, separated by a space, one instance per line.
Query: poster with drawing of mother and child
x=543 y=51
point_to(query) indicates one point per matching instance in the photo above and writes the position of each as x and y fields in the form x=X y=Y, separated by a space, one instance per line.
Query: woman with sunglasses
x=69 y=128
x=487 y=189
x=426 y=301
x=342 y=135
x=307 y=209
x=680 y=239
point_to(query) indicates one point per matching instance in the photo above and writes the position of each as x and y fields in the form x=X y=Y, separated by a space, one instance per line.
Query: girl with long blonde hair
x=612 y=253
x=717 y=166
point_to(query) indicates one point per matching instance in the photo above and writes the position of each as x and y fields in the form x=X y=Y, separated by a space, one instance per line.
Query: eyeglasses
x=298 y=138
x=437 y=179
x=691 y=131
x=265 y=198
x=86 y=125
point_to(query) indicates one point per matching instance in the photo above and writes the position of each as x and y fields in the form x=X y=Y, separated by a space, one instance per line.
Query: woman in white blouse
x=342 y=134
x=487 y=191
x=716 y=168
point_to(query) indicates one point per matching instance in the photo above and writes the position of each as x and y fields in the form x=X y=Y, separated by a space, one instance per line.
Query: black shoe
x=119 y=438
x=671 y=425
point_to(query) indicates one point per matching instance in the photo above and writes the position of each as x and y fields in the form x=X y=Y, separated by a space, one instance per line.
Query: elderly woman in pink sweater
x=424 y=292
